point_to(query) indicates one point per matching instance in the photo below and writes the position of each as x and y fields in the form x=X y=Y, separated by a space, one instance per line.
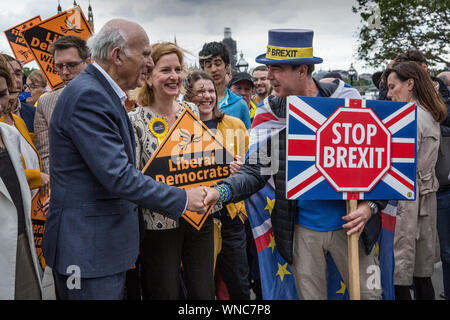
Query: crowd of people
x=83 y=148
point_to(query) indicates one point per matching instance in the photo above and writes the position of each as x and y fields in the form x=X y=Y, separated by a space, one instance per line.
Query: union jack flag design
x=277 y=281
x=306 y=115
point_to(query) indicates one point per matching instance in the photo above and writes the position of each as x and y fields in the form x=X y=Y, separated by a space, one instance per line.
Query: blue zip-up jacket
x=236 y=107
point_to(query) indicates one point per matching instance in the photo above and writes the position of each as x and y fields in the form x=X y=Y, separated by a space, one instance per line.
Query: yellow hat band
x=283 y=53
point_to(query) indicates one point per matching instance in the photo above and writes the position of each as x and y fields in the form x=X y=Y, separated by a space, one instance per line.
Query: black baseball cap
x=239 y=77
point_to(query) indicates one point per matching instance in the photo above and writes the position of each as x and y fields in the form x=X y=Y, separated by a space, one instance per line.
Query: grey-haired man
x=92 y=232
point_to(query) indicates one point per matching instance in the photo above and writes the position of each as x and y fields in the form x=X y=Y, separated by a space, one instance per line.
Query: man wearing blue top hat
x=305 y=230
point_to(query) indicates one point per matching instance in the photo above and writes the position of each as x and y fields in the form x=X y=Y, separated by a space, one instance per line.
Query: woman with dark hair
x=19 y=266
x=416 y=248
x=37 y=179
x=232 y=133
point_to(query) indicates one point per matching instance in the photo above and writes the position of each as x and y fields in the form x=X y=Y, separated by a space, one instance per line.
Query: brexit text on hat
x=280 y=53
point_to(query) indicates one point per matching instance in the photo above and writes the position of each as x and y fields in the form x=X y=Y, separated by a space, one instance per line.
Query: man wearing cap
x=242 y=84
x=305 y=230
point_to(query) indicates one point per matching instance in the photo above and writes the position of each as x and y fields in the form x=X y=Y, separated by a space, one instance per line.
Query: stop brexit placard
x=350 y=149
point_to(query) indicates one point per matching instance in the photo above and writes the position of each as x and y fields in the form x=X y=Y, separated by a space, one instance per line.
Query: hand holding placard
x=236 y=165
x=351 y=150
x=357 y=219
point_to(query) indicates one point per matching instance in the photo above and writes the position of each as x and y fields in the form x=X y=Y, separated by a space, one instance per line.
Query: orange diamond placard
x=17 y=42
x=39 y=37
x=189 y=156
x=38 y=222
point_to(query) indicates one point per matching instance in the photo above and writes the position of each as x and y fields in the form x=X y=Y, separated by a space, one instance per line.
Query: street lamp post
x=242 y=65
x=351 y=73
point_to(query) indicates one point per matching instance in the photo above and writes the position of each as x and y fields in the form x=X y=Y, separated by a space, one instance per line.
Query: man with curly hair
x=214 y=59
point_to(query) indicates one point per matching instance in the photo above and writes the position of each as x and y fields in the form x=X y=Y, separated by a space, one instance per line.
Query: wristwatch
x=373 y=206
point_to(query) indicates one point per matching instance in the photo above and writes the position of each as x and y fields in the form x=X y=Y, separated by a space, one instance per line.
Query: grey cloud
x=194 y=22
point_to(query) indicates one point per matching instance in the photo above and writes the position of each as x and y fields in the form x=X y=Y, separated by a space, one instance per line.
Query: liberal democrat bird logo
x=188 y=138
x=71 y=27
x=39 y=207
x=24 y=53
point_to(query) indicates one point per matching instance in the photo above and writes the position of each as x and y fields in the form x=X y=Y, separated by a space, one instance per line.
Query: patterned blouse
x=146 y=145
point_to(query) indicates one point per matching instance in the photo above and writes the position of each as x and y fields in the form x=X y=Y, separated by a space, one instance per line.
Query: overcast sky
x=195 y=22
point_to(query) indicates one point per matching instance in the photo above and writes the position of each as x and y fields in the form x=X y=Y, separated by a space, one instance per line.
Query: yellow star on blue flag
x=282 y=271
x=270 y=204
x=342 y=289
x=272 y=242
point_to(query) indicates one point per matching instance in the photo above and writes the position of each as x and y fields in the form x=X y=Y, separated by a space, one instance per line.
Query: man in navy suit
x=92 y=235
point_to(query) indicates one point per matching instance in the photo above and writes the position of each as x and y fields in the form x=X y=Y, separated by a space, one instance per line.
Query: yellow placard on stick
x=17 y=42
x=39 y=37
x=38 y=222
x=190 y=156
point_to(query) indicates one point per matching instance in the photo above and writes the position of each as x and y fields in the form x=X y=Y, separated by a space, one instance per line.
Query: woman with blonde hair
x=35 y=86
x=168 y=243
x=416 y=247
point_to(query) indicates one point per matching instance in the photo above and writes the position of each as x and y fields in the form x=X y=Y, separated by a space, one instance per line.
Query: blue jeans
x=443 y=228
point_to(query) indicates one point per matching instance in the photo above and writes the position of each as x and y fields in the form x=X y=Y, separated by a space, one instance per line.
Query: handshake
x=200 y=198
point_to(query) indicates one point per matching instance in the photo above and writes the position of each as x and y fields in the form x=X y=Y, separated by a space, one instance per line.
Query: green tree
x=391 y=27
x=27 y=71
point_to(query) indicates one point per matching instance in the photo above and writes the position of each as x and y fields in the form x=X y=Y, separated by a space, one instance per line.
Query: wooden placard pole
x=354 y=287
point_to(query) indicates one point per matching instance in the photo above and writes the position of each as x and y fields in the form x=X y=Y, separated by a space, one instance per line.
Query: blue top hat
x=289 y=46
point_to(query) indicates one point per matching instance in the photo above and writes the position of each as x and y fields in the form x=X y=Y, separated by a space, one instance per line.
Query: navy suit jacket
x=92 y=222
x=27 y=113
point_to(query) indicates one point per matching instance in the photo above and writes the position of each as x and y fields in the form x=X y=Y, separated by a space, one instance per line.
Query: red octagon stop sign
x=353 y=149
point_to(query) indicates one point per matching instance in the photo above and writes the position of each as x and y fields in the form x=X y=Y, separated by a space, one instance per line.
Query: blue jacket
x=93 y=218
x=27 y=113
x=235 y=106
